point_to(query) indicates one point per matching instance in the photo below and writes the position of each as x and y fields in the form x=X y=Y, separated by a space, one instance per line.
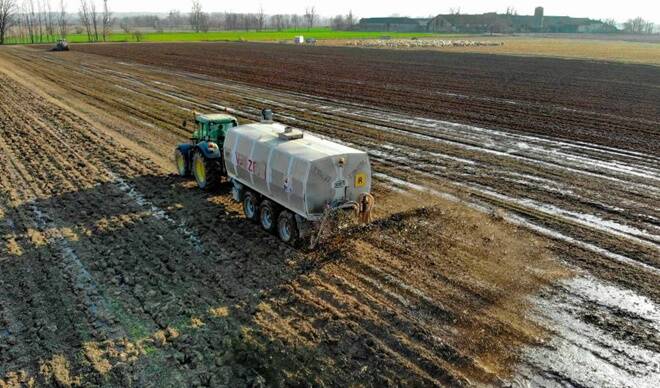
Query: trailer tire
x=251 y=206
x=182 y=165
x=287 y=230
x=205 y=172
x=268 y=216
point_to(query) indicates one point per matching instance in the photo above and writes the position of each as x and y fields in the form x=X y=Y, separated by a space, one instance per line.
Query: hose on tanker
x=365 y=205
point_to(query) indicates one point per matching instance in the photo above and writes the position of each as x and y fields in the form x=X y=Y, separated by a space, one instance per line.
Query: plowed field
x=597 y=102
x=498 y=254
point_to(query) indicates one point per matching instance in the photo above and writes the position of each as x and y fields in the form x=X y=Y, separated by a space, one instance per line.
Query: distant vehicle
x=287 y=180
x=299 y=39
x=61 y=45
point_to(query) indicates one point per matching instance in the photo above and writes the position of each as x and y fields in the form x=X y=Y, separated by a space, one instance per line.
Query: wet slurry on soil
x=498 y=257
x=597 y=102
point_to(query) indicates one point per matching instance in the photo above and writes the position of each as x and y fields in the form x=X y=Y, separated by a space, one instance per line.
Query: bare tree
x=277 y=22
x=173 y=19
x=455 y=10
x=610 y=22
x=157 y=25
x=125 y=25
x=50 y=20
x=338 y=23
x=261 y=18
x=310 y=16
x=31 y=21
x=95 y=19
x=61 y=20
x=85 y=18
x=350 y=20
x=638 y=26
x=39 y=17
x=231 y=21
x=649 y=27
x=196 y=16
x=295 y=21
x=106 y=21
x=7 y=14
x=204 y=22
x=246 y=21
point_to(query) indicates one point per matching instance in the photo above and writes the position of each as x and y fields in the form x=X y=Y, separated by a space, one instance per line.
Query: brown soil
x=602 y=103
x=135 y=277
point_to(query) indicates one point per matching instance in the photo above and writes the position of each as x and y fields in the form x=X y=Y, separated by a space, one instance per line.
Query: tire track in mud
x=49 y=170
x=606 y=210
x=321 y=114
x=42 y=275
x=383 y=78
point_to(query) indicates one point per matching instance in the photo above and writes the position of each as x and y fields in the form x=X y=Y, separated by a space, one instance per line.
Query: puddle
x=581 y=353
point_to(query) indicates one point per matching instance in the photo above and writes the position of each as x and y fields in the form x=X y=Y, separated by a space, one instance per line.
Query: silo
x=538 y=18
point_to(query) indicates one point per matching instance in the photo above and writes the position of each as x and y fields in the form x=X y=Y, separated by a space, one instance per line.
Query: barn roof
x=391 y=20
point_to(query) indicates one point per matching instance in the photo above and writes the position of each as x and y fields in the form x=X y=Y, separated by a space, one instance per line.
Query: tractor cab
x=212 y=127
x=202 y=157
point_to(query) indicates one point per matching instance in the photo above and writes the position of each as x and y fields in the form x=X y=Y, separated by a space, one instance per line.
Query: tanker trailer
x=290 y=182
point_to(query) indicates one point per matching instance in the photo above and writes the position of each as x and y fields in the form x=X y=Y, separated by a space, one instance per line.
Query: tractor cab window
x=217 y=130
x=220 y=129
x=203 y=130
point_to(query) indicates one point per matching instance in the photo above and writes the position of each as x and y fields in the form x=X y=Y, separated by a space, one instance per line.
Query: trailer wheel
x=287 y=229
x=251 y=206
x=182 y=166
x=205 y=172
x=268 y=216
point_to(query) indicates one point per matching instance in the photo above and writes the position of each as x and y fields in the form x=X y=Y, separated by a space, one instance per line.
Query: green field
x=317 y=33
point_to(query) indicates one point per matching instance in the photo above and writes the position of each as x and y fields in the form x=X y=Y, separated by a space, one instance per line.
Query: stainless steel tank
x=301 y=172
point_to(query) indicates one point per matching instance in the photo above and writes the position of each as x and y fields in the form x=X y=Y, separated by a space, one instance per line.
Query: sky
x=596 y=9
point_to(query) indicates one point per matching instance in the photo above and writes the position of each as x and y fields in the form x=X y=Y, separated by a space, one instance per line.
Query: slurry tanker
x=288 y=181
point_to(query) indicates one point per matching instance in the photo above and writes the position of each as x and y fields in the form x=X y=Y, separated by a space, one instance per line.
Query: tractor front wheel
x=182 y=166
x=205 y=172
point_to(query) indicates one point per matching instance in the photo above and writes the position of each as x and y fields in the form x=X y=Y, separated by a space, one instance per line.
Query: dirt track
x=153 y=281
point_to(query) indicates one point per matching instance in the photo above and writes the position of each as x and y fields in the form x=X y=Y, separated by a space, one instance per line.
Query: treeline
x=199 y=21
x=218 y=21
x=639 y=26
x=33 y=21
x=39 y=21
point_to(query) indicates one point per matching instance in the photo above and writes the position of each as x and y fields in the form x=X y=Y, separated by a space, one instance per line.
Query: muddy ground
x=496 y=257
x=597 y=102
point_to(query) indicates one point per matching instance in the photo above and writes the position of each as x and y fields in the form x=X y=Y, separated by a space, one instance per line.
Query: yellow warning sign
x=360 y=179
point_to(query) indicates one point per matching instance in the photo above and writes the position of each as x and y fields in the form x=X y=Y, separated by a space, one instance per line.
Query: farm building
x=490 y=22
x=394 y=24
x=506 y=23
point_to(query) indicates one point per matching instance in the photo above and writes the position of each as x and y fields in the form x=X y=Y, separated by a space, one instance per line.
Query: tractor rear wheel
x=251 y=206
x=287 y=229
x=205 y=171
x=182 y=166
x=268 y=216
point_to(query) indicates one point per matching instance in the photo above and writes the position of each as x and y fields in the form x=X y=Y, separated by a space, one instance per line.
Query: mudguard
x=209 y=153
x=186 y=150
